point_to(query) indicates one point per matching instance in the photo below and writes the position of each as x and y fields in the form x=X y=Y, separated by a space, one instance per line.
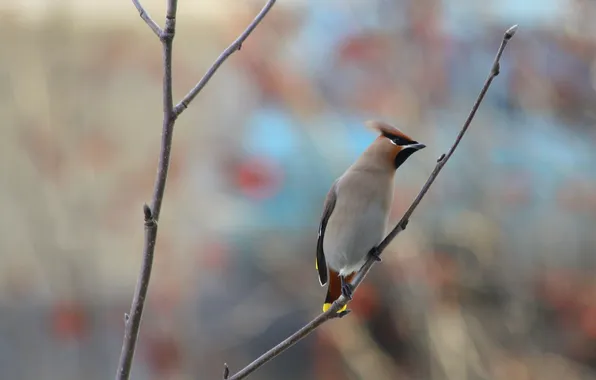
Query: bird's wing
x=328 y=207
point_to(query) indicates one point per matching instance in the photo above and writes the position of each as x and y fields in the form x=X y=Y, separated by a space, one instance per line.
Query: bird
x=356 y=211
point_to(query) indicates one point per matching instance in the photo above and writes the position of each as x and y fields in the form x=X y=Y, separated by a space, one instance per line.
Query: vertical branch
x=151 y=214
x=169 y=118
x=132 y=320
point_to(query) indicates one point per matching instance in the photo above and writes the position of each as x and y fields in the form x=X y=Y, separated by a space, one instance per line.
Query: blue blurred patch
x=359 y=136
x=544 y=147
x=271 y=132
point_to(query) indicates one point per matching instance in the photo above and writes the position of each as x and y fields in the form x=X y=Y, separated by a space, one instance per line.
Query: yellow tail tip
x=326 y=307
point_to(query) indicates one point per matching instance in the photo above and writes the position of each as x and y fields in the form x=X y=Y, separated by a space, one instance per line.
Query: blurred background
x=493 y=279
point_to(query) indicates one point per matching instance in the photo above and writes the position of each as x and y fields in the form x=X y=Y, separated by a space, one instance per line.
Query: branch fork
x=132 y=320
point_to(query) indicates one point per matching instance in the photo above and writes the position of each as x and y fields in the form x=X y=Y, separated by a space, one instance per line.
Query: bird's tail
x=334 y=290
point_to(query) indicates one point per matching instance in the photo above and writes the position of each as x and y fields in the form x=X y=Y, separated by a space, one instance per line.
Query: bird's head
x=392 y=143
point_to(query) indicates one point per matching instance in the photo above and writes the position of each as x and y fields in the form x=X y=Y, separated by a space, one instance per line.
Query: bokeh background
x=494 y=278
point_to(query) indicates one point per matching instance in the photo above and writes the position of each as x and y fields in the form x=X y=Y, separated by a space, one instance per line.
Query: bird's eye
x=398 y=140
x=401 y=141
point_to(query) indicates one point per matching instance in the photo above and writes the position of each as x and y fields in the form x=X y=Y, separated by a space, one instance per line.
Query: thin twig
x=169 y=118
x=147 y=18
x=151 y=214
x=235 y=46
x=331 y=313
x=133 y=322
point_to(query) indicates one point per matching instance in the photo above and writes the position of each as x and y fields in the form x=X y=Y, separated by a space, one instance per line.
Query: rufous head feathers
x=389 y=131
x=391 y=148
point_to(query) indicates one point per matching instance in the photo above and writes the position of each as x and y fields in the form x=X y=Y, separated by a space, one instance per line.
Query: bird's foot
x=347 y=290
x=375 y=253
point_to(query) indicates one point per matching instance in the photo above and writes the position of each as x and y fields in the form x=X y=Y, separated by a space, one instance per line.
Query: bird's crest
x=387 y=130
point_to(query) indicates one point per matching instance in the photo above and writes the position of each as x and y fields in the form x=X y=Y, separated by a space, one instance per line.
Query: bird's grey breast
x=358 y=221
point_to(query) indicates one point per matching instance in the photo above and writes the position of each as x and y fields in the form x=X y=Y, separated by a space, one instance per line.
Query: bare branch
x=331 y=313
x=287 y=343
x=132 y=322
x=169 y=118
x=151 y=214
x=235 y=46
x=148 y=20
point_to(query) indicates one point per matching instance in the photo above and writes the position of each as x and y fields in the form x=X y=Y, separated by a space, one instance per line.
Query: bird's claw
x=347 y=290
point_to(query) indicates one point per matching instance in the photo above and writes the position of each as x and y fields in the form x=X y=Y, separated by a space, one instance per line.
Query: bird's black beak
x=406 y=151
x=415 y=146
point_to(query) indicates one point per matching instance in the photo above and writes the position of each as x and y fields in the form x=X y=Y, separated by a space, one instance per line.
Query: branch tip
x=510 y=32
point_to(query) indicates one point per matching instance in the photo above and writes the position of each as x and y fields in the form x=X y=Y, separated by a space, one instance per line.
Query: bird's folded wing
x=328 y=207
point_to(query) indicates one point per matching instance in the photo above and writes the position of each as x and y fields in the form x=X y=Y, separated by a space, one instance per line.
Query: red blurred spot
x=559 y=289
x=588 y=322
x=44 y=150
x=365 y=301
x=214 y=256
x=360 y=48
x=258 y=178
x=97 y=151
x=164 y=354
x=69 y=321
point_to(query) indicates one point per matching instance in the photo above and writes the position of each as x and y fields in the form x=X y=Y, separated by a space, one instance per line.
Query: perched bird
x=356 y=211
